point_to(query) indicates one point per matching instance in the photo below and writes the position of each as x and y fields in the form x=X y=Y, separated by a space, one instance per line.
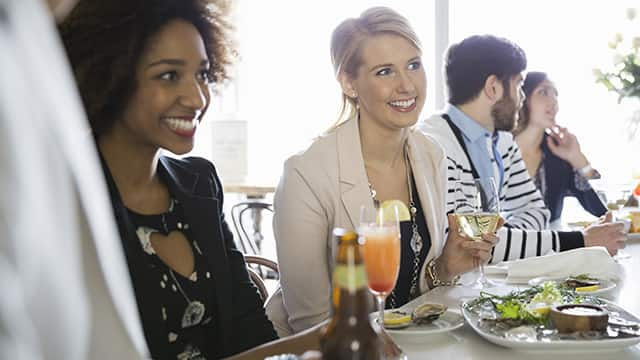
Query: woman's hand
x=565 y=145
x=461 y=253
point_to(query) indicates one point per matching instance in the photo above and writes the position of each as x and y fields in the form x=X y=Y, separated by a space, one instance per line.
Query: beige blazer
x=323 y=188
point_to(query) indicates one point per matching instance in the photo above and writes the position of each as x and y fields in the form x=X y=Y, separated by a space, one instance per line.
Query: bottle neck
x=350 y=293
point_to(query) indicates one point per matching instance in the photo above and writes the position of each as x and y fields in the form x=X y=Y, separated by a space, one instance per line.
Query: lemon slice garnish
x=389 y=208
x=587 y=288
x=396 y=318
x=543 y=310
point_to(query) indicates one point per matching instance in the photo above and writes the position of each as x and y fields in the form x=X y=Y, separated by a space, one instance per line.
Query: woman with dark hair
x=144 y=68
x=551 y=153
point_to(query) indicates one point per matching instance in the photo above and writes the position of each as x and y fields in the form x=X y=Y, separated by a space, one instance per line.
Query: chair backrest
x=258 y=276
x=247 y=219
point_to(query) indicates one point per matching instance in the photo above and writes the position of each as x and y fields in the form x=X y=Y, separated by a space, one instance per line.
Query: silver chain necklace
x=416 y=242
x=195 y=309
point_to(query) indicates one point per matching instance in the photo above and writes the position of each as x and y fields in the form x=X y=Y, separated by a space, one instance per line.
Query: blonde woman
x=372 y=153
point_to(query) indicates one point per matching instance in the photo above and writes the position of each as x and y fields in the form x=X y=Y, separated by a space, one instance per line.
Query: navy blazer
x=241 y=320
x=559 y=177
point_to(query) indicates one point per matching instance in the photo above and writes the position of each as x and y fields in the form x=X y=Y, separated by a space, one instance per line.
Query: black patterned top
x=401 y=292
x=186 y=302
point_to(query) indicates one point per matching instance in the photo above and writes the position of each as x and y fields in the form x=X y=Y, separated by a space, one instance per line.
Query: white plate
x=555 y=345
x=605 y=285
x=448 y=321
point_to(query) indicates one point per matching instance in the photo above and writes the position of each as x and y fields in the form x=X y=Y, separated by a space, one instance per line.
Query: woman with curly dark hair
x=144 y=70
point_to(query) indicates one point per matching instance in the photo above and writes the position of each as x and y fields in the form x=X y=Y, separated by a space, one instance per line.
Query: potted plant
x=623 y=77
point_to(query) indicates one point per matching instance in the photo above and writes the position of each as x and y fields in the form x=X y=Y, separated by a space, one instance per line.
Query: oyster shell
x=427 y=313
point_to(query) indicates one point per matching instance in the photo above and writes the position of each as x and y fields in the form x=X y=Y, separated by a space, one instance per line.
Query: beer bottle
x=349 y=335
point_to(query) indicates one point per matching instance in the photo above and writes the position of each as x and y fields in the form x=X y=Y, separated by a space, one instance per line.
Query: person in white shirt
x=65 y=290
x=484 y=79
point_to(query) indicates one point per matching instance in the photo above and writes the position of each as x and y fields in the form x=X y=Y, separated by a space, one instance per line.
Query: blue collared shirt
x=478 y=141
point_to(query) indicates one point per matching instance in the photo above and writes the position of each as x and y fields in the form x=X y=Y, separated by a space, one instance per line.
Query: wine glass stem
x=381 y=310
x=480 y=269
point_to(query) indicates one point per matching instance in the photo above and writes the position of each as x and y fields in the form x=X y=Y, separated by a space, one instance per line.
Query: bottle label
x=351 y=278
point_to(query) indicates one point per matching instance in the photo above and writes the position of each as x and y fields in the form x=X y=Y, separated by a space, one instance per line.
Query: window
x=286 y=89
x=567 y=40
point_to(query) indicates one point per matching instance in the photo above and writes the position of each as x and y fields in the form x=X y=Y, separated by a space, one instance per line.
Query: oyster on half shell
x=427 y=313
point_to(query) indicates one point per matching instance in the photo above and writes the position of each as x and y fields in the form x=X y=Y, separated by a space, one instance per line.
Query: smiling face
x=543 y=105
x=505 y=111
x=391 y=82
x=171 y=93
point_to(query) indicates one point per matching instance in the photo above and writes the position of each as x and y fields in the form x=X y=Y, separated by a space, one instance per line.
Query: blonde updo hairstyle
x=346 y=44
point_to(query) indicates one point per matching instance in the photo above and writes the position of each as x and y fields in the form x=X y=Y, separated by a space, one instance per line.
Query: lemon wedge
x=396 y=318
x=587 y=288
x=389 y=208
x=543 y=310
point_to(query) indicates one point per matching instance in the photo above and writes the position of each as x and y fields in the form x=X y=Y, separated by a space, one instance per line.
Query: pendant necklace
x=195 y=309
x=416 y=240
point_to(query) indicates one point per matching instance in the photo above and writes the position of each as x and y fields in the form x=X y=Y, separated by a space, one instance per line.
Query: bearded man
x=484 y=79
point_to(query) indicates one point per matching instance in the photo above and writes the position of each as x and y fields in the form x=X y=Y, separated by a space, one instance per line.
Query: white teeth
x=403 y=103
x=180 y=124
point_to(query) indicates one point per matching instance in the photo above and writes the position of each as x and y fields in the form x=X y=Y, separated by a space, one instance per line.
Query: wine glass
x=379 y=233
x=615 y=196
x=477 y=211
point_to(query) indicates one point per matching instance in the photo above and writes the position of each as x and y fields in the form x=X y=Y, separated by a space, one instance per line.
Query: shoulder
x=437 y=128
x=320 y=154
x=194 y=164
x=435 y=125
x=426 y=142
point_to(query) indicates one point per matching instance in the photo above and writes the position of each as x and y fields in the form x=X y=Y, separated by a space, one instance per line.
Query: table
x=464 y=343
x=250 y=191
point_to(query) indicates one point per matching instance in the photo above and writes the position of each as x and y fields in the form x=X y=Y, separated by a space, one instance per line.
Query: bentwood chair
x=247 y=219
x=254 y=264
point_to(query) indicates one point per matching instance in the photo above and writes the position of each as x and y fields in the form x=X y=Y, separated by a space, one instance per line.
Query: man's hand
x=605 y=233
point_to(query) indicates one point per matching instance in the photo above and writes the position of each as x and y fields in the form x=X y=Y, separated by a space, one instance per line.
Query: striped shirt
x=523 y=208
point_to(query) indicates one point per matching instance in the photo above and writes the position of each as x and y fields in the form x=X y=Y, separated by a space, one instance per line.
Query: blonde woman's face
x=543 y=105
x=391 y=84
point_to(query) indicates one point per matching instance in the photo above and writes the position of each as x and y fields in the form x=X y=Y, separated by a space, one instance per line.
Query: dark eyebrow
x=166 y=62
x=178 y=62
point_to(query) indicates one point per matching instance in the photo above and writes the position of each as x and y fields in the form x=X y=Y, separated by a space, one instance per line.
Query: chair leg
x=257 y=280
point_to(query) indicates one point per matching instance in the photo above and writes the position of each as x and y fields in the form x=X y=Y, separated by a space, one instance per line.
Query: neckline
x=172 y=208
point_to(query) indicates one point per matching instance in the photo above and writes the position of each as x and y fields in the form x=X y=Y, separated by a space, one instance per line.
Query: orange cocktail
x=381 y=251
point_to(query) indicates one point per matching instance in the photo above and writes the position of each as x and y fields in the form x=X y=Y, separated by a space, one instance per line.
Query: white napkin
x=594 y=261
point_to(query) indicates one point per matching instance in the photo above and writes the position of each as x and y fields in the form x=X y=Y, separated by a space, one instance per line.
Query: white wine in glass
x=477 y=211
x=475 y=224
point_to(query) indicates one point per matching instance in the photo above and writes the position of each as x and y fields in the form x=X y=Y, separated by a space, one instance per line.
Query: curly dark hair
x=105 y=39
x=470 y=62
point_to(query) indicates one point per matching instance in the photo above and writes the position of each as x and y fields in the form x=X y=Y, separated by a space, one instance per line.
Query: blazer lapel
x=141 y=278
x=354 y=185
x=430 y=189
x=201 y=207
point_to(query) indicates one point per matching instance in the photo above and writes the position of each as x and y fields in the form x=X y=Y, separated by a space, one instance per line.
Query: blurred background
x=284 y=93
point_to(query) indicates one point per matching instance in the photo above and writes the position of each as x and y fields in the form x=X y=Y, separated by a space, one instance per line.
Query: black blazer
x=559 y=177
x=241 y=320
